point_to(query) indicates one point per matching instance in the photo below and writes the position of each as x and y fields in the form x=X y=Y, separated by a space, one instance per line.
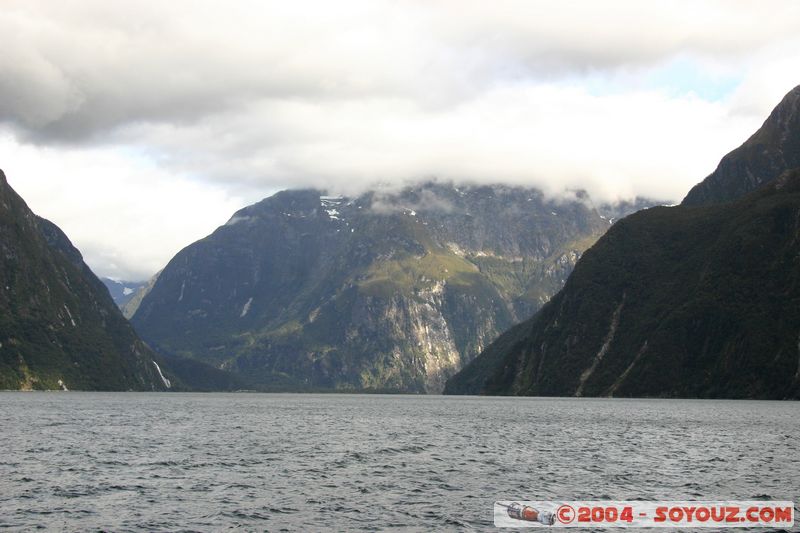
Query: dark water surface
x=134 y=461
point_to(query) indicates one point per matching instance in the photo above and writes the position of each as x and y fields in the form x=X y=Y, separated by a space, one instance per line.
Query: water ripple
x=195 y=462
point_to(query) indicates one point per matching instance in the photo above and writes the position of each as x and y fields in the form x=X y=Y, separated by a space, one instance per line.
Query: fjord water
x=139 y=461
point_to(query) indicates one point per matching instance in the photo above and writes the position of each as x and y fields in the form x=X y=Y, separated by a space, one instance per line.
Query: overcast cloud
x=139 y=127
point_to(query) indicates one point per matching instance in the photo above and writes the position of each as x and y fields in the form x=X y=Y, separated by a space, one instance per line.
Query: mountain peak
x=391 y=290
x=296 y=197
x=59 y=325
x=771 y=150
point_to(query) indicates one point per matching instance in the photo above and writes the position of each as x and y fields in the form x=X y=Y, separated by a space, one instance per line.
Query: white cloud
x=196 y=107
x=551 y=136
x=127 y=217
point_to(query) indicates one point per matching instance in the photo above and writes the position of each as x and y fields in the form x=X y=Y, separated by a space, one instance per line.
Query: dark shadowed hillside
x=59 y=328
x=689 y=301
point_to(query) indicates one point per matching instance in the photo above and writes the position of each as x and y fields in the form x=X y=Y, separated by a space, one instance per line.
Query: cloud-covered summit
x=234 y=100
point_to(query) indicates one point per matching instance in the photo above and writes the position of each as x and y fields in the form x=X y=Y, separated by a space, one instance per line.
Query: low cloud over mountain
x=226 y=104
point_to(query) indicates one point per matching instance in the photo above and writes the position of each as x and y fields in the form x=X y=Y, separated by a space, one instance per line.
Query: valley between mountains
x=435 y=287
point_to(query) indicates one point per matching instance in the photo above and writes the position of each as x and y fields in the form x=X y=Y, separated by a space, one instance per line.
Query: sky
x=139 y=127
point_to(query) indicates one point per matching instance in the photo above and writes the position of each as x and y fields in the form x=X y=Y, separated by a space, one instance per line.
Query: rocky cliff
x=381 y=292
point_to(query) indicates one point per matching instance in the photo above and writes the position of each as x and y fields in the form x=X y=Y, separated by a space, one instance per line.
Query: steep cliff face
x=129 y=308
x=59 y=327
x=383 y=292
x=773 y=149
x=688 y=301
